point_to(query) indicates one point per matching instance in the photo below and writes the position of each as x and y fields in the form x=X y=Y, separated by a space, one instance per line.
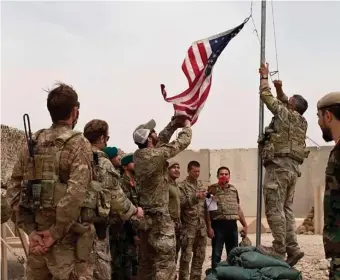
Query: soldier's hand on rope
x=264 y=70
x=277 y=84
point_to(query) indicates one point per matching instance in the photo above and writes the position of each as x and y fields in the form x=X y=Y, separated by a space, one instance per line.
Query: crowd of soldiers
x=91 y=213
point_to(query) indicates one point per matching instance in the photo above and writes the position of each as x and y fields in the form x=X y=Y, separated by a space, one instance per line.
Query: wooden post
x=318 y=209
x=4 y=270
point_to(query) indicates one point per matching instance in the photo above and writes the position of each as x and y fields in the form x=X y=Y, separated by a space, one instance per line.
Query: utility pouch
x=84 y=245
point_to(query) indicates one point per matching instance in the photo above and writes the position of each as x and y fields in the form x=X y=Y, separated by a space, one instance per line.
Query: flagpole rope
x=258 y=37
x=276 y=52
x=274 y=28
x=252 y=20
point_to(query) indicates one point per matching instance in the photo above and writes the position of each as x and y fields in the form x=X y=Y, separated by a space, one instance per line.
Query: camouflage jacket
x=287 y=132
x=151 y=169
x=130 y=189
x=74 y=169
x=108 y=175
x=174 y=200
x=193 y=210
x=331 y=232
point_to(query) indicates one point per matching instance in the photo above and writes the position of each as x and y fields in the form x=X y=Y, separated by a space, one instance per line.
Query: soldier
x=175 y=202
x=283 y=152
x=224 y=218
x=6 y=210
x=97 y=132
x=124 y=247
x=116 y=230
x=195 y=224
x=157 y=234
x=329 y=122
x=47 y=197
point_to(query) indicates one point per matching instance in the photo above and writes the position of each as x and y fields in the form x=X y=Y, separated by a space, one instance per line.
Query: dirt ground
x=313 y=265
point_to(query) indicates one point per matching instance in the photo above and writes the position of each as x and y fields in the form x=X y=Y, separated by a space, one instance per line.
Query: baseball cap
x=328 y=100
x=171 y=163
x=142 y=132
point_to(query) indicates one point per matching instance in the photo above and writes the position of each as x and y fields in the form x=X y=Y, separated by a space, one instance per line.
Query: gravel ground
x=313 y=265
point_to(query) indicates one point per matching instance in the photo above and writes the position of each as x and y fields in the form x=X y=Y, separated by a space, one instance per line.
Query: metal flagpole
x=259 y=159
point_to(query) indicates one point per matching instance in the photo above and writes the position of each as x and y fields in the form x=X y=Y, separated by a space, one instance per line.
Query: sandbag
x=211 y=277
x=237 y=273
x=223 y=263
x=278 y=273
x=238 y=251
x=258 y=260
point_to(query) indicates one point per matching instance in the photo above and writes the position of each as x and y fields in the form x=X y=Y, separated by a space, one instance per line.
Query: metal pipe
x=261 y=113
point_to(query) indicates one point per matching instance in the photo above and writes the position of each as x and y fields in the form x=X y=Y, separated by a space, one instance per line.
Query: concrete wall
x=243 y=166
x=202 y=156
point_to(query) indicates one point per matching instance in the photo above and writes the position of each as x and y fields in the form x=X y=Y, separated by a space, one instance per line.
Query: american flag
x=197 y=67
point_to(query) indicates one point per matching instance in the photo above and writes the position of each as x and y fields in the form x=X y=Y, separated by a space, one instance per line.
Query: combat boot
x=269 y=251
x=292 y=259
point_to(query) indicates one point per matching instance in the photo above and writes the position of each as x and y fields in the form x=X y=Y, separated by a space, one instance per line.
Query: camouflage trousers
x=60 y=263
x=178 y=246
x=334 y=270
x=157 y=249
x=192 y=249
x=278 y=192
x=102 y=270
x=178 y=234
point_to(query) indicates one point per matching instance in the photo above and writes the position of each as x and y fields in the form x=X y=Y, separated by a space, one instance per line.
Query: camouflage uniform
x=125 y=260
x=102 y=270
x=194 y=240
x=175 y=211
x=157 y=234
x=118 y=204
x=62 y=261
x=283 y=152
x=6 y=210
x=331 y=230
x=224 y=220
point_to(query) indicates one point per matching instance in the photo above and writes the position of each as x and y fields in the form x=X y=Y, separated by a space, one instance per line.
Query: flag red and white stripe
x=197 y=67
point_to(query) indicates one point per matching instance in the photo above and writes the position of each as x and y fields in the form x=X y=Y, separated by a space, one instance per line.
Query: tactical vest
x=286 y=140
x=227 y=203
x=41 y=185
x=97 y=202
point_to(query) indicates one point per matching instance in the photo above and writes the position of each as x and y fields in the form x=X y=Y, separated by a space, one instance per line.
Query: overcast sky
x=116 y=54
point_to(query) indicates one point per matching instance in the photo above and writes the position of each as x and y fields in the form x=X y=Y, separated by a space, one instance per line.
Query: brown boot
x=293 y=259
x=269 y=251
